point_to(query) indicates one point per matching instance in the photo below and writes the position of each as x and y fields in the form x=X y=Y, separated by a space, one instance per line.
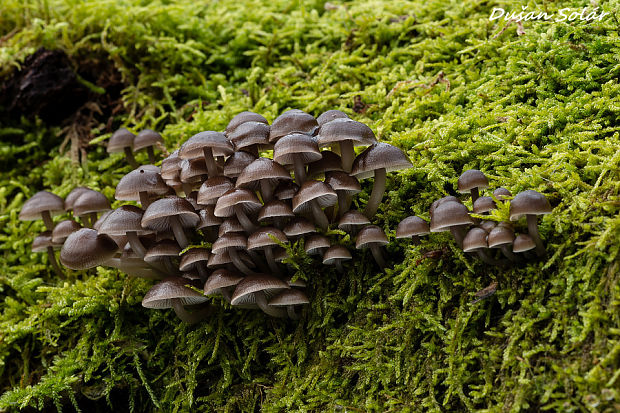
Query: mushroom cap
x=193 y=170
x=330 y=161
x=472 y=178
x=336 y=253
x=160 y=296
x=157 y=215
x=237 y=162
x=286 y=190
x=330 y=115
x=73 y=195
x=264 y=238
x=220 y=279
x=292 y=121
x=440 y=201
x=124 y=219
x=208 y=218
x=345 y=129
x=370 y=235
x=262 y=168
x=449 y=214
x=171 y=166
x=298 y=227
x=275 y=209
x=229 y=241
x=500 y=194
x=411 y=226
x=213 y=188
x=522 y=243
x=252 y=284
x=379 y=156
x=216 y=260
x=297 y=283
x=316 y=191
x=487 y=225
x=146 y=138
x=230 y=225
x=484 y=204
x=85 y=248
x=145 y=178
x=288 y=297
x=120 y=140
x=161 y=249
x=42 y=241
x=296 y=145
x=315 y=244
x=63 y=229
x=475 y=238
x=242 y=118
x=528 y=202
x=341 y=181
x=351 y=220
x=500 y=235
x=90 y=201
x=193 y=147
x=40 y=202
x=192 y=256
x=244 y=198
x=249 y=134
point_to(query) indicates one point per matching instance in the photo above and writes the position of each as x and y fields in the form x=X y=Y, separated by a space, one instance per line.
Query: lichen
x=533 y=111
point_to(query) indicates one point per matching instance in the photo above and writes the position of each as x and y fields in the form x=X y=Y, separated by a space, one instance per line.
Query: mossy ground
x=537 y=110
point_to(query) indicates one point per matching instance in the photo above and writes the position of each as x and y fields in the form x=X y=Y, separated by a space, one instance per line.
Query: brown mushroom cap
x=296 y=144
x=330 y=161
x=242 y=118
x=440 y=201
x=292 y=296
x=262 y=168
x=146 y=138
x=370 y=235
x=315 y=244
x=488 y=225
x=342 y=129
x=352 y=220
x=42 y=241
x=500 y=194
x=336 y=253
x=42 y=201
x=221 y=259
x=275 y=209
x=237 y=162
x=286 y=190
x=192 y=256
x=244 y=198
x=500 y=235
x=193 y=170
x=120 y=140
x=230 y=225
x=221 y=279
x=194 y=146
x=484 y=204
x=528 y=202
x=85 y=248
x=299 y=227
x=63 y=229
x=476 y=238
x=214 y=188
x=157 y=216
x=522 y=243
x=162 y=249
x=73 y=195
x=161 y=295
x=292 y=121
x=411 y=226
x=266 y=237
x=89 y=202
x=229 y=241
x=330 y=115
x=145 y=178
x=449 y=214
x=208 y=218
x=341 y=181
x=379 y=156
x=124 y=219
x=249 y=134
x=171 y=166
x=316 y=191
x=251 y=284
x=472 y=178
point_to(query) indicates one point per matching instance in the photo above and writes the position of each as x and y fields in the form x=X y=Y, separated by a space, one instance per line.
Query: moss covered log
x=535 y=105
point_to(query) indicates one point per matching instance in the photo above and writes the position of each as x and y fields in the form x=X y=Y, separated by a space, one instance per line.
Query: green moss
x=537 y=111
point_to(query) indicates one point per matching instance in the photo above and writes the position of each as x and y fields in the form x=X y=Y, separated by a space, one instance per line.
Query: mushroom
x=222 y=282
x=330 y=161
x=487 y=225
x=378 y=159
x=336 y=255
x=265 y=174
x=298 y=227
x=239 y=202
x=193 y=173
x=372 y=237
x=172 y=292
x=345 y=186
x=351 y=221
x=171 y=213
x=242 y=118
x=472 y=181
x=88 y=204
x=229 y=225
x=162 y=252
x=412 y=227
x=277 y=212
x=126 y=221
x=140 y=184
x=290 y=299
x=501 y=193
x=292 y=121
x=209 y=144
x=209 y=223
x=249 y=136
x=256 y=289
x=316 y=244
x=531 y=204
x=122 y=141
x=476 y=241
x=286 y=190
x=345 y=133
x=63 y=229
x=42 y=205
x=85 y=248
x=236 y=163
x=312 y=197
x=296 y=149
x=330 y=115
x=502 y=236
x=266 y=239
x=44 y=243
x=483 y=205
x=212 y=189
x=523 y=243
x=231 y=243
x=451 y=216
x=195 y=258
x=73 y=195
x=147 y=139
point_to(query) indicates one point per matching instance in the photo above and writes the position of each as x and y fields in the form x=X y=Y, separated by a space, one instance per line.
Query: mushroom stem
x=376 y=252
x=474 y=194
x=131 y=160
x=238 y=262
x=415 y=240
x=509 y=254
x=532 y=229
x=47 y=220
x=91 y=218
x=52 y=259
x=266 y=190
x=319 y=216
x=136 y=244
x=458 y=232
x=186 y=316
x=339 y=266
x=290 y=310
x=226 y=293
x=484 y=256
x=271 y=261
x=256 y=259
x=246 y=223
x=378 y=189
x=151 y=153
x=348 y=155
x=344 y=202
x=144 y=199
x=300 y=169
x=210 y=161
x=202 y=271
x=261 y=301
x=170 y=268
x=178 y=232
x=187 y=188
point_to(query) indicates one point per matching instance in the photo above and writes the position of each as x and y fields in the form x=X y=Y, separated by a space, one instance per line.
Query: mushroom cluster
x=482 y=236
x=218 y=212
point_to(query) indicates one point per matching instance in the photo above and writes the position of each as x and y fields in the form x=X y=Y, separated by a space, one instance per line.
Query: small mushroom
x=286 y=190
x=313 y=196
x=344 y=134
x=195 y=258
x=73 y=195
x=250 y=136
x=256 y=289
x=316 y=244
x=44 y=243
x=63 y=229
x=412 y=227
x=88 y=204
x=501 y=193
x=222 y=282
x=242 y=118
x=277 y=212
x=212 y=189
x=122 y=141
x=239 y=202
x=126 y=221
x=451 y=216
x=290 y=299
x=85 y=248
x=476 y=241
x=352 y=221
x=298 y=227
x=330 y=161
x=472 y=181
x=171 y=213
x=231 y=243
x=483 y=205
x=266 y=239
x=162 y=253
x=147 y=139
x=292 y=121
x=296 y=149
x=236 y=163
x=336 y=255
x=209 y=144
x=140 y=185
x=263 y=174
x=330 y=115
x=502 y=237
x=372 y=237
x=524 y=244
x=42 y=205
x=345 y=186
x=531 y=204
x=173 y=292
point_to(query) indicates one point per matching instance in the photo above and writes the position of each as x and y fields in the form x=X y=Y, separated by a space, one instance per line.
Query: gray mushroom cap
x=330 y=115
x=472 y=178
x=522 y=243
x=342 y=129
x=160 y=296
x=336 y=253
x=221 y=279
x=145 y=178
x=90 y=201
x=63 y=229
x=528 y=202
x=122 y=220
x=120 y=140
x=242 y=118
x=146 y=138
x=370 y=235
x=411 y=226
x=484 y=204
x=292 y=121
x=449 y=214
x=40 y=202
x=85 y=248
x=316 y=191
x=157 y=215
x=292 y=296
x=251 y=284
x=379 y=156
x=193 y=147
x=476 y=238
